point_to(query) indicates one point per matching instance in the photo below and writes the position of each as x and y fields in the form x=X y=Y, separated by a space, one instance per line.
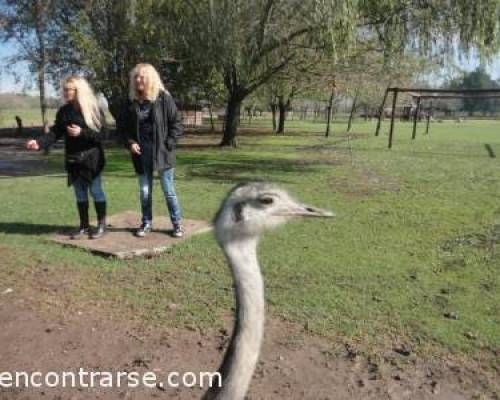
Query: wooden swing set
x=418 y=94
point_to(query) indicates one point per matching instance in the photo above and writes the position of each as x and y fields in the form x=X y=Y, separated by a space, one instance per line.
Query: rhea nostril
x=310 y=209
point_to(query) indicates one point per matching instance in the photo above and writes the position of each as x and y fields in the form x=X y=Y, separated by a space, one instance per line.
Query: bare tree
x=29 y=24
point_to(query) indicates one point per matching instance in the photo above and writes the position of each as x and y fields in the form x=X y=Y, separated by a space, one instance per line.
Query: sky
x=9 y=84
x=7 y=80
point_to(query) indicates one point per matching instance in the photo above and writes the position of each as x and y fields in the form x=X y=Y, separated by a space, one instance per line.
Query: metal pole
x=381 y=111
x=391 y=131
x=415 y=119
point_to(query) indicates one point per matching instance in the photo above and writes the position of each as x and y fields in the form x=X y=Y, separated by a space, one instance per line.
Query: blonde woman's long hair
x=89 y=105
x=153 y=84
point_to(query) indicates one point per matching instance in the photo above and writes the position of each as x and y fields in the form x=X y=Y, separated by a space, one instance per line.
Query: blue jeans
x=82 y=189
x=146 y=195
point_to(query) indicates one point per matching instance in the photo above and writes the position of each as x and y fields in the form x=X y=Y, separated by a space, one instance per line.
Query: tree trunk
x=232 y=120
x=380 y=115
x=43 y=102
x=282 y=115
x=330 y=110
x=273 y=114
x=351 y=115
x=42 y=61
x=210 y=110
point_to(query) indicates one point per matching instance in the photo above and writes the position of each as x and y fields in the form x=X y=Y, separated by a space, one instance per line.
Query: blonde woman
x=79 y=123
x=150 y=128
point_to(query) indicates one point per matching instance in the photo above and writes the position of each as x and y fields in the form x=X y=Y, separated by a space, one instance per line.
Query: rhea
x=245 y=213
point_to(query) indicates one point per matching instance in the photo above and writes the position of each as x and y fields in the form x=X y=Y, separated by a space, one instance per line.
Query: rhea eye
x=266 y=200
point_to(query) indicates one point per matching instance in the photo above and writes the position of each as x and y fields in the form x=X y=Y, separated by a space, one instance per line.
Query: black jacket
x=166 y=129
x=83 y=155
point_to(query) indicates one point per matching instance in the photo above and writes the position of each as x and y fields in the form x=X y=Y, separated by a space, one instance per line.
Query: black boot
x=83 y=212
x=100 y=209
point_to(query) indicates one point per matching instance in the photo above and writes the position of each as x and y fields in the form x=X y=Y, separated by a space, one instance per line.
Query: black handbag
x=80 y=157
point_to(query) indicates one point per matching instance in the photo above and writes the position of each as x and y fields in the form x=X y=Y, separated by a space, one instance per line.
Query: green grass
x=416 y=236
x=30 y=117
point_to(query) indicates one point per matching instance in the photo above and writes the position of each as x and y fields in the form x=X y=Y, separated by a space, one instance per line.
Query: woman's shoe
x=83 y=212
x=143 y=230
x=178 y=231
x=81 y=233
x=99 y=232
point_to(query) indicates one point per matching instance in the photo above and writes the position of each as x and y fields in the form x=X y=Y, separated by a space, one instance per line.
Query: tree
x=249 y=42
x=104 y=39
x=246 y=43
x=477 y=79
x=366 y=85
x=282 y=90
x=29 y=24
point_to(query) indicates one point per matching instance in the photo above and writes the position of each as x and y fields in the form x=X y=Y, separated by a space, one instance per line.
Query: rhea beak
x=301 y=210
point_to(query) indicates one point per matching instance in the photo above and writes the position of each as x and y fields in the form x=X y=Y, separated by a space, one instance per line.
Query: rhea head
x=253 y=207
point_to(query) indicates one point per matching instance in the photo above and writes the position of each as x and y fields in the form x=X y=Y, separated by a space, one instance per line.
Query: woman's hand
x=32 y=145
x=135 y=149
x=74 y=130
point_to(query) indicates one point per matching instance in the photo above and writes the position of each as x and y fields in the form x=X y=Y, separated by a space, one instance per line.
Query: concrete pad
x=120 y=240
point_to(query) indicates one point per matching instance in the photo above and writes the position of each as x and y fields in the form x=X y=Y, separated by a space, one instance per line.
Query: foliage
x=241 y=45
x=477 y=79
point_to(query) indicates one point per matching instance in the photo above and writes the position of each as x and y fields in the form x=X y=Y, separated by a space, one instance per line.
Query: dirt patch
x=27 y=132
x=293 y=365
x=488 y=239
x=363 y=183
x=15 y=160
x=333 y=144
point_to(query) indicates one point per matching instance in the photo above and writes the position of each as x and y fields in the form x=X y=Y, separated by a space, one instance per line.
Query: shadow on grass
x=218 y=164
x=22 y=228
x=489 y=149
x=236 y=171
x=425 y=153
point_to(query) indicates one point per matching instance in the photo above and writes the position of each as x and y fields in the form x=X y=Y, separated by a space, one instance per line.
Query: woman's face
x=69 y=93
x=140 y=81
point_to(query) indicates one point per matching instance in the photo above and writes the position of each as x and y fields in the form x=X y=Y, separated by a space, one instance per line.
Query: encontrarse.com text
x=100 y=379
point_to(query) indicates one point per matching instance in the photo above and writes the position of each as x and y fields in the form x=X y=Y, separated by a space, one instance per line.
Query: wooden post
x=351 y=115
x=19 y=123
x=415 y=119
x=210 y=110
x=428 y=119
x=330 y=110
x=381 y=112
x=393 y=113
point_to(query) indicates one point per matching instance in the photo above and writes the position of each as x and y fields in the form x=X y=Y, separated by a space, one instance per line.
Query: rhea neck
x=242 y=354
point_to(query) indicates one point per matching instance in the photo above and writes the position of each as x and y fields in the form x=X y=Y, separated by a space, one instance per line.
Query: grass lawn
x=416 y=239
x=30 y=117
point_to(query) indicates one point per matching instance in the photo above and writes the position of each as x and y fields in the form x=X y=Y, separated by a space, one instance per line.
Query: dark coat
x=83 y=155
x=166 y=129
